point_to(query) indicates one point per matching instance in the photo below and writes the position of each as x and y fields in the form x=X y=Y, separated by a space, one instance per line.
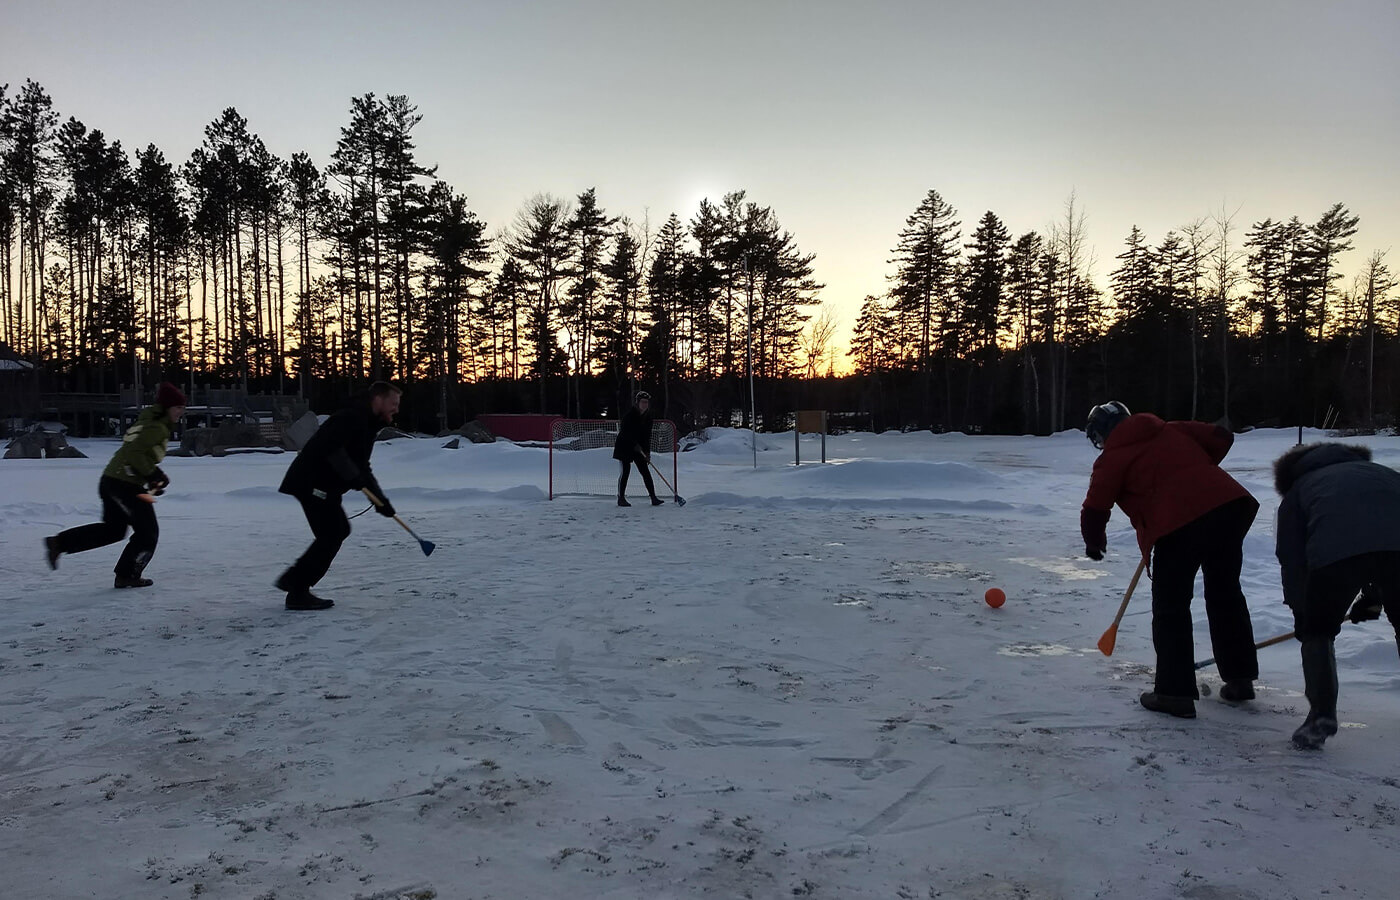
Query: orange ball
x=995 y=597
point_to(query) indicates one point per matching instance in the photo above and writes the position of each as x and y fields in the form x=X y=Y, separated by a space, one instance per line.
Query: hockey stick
x=1110 y=637
x=680 y=501
x=1259 y=646
x=427 y=546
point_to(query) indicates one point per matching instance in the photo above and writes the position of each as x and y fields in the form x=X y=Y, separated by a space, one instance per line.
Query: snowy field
x=789 y=688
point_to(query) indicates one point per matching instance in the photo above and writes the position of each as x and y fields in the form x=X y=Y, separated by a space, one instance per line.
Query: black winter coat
x=1336 y=504
x=634 y=431
x=336 y=459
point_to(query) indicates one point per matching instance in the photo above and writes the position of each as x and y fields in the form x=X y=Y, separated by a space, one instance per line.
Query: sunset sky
x=839 y=115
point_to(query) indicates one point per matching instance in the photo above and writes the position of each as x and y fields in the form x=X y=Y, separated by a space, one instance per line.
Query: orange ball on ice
x=995 y=597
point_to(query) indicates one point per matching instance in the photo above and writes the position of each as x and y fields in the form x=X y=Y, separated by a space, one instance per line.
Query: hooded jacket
x=336 y=459
x=1337 y=504
x=1162 y=474
x=143 y=448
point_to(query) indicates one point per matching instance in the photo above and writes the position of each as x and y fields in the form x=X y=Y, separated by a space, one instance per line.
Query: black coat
x=633 y=432
x=336 y=459
x=1336 y=504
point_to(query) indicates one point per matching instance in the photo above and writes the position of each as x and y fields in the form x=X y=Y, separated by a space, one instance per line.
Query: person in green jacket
x=133 y=472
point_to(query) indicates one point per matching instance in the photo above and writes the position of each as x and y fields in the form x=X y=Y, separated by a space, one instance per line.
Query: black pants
x=122 y=508
x=627 y=470
x=330 y=528
x=1212 y=545
x=1331 y=590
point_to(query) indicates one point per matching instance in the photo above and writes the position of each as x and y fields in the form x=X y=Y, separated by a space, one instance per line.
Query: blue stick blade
x=428 y=547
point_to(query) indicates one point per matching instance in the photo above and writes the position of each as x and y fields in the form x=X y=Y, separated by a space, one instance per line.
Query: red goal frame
x=613 y=426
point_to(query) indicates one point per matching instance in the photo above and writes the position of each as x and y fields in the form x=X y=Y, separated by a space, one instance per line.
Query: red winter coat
x=1163 y=474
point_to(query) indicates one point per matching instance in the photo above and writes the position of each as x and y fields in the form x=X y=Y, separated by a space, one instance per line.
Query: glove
x=1093 y=525
x=1366 y=608
x=386 y=510
x=158 y=482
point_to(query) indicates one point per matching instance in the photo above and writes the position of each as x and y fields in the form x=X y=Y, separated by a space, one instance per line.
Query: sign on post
x=809 y=421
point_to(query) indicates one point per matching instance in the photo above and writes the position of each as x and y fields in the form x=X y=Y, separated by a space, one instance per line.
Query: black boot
x=622 y=501
x=1320 y=685
x=1181 y=707
x=51 y=548
x=1237 y=691
x=656 y=501
x=131 y=581
x=304 y=600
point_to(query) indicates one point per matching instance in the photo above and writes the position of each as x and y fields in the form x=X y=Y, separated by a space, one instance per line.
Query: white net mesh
x=581 y=460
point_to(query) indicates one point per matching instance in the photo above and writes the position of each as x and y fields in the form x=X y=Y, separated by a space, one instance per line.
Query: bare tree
x=816 y=340
x=1225 y=276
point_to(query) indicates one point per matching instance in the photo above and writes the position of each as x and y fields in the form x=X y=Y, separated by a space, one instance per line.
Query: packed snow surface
x=790 y=687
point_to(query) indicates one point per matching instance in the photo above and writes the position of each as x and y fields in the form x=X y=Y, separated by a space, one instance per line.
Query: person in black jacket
x=633 y=445
x=334 y=461
x=1338 y=535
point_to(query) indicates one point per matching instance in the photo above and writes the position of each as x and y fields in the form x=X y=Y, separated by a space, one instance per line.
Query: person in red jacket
x=1190 y=516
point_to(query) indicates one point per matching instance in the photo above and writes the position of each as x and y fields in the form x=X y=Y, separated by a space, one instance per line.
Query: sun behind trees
x=124 y=268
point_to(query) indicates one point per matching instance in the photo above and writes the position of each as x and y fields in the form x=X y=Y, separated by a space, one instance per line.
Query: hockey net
x=581 y=458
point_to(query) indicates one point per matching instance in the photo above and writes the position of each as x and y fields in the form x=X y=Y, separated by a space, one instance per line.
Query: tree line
x=131 y=268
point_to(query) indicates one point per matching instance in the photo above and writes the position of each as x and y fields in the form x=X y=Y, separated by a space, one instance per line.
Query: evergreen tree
x=589 y=230
x=982 y=300
x=925 y=258
x=1329 y=238
x=539 y=242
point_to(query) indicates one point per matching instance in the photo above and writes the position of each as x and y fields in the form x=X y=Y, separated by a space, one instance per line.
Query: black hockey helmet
x=641 y=395
x=1102 y=420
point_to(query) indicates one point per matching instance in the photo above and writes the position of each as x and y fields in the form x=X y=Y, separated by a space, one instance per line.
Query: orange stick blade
x=1108 y=641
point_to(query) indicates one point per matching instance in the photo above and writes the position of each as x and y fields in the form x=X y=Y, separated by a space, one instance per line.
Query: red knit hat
x=168 y=395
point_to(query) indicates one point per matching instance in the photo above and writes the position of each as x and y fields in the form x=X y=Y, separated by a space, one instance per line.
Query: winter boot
x=622 y=501
x=1320 y=685
x=51 y=548
x=1181 y=707
x=656 y=501
x=304 y=600
x=131 y=581
x=1237 y=691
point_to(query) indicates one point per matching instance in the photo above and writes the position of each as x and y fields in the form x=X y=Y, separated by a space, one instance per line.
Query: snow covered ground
x=790 y=687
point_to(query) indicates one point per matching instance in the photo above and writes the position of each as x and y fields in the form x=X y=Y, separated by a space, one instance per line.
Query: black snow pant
x=330 y=527
x=642 y=467
x=1331 y=590
x=1212 y=545
x=122 y=508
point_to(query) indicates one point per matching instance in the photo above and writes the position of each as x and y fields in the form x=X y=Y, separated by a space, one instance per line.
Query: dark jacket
x=1162 y=474
x=1336 y=504
x=142 y=449
x=336 y=459
x=633 y=432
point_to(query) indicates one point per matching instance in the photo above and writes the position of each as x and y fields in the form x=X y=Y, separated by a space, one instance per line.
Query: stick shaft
x=1277 y=639
x=1128 y=594
x=661 y=475
x=379 y=503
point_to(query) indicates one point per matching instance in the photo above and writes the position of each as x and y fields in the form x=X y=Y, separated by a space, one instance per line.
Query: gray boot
x=1320 y=685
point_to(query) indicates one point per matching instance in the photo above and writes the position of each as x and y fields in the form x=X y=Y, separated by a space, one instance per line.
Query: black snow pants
x=122 y=508
x=1212 y=545
x=1331 y=590
x=627 y=470
x=330 y=528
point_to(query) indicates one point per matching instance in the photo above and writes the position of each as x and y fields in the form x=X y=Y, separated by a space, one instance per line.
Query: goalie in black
x=633 y=445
